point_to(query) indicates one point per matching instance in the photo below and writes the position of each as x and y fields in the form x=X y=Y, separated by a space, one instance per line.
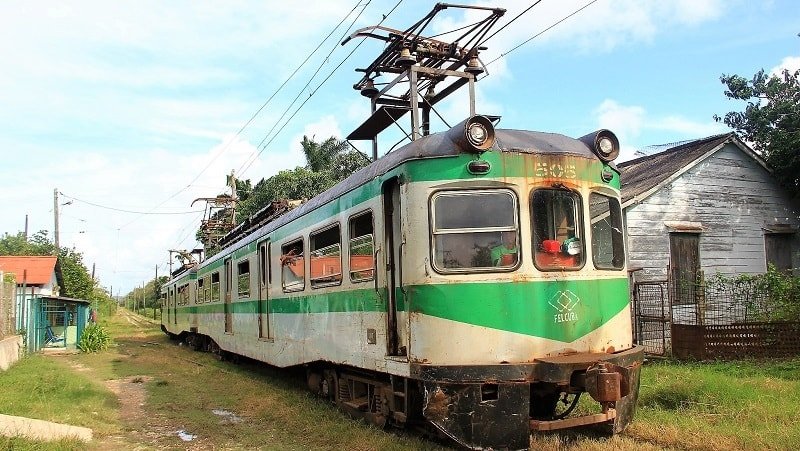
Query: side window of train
x=362 y=247
x=243 y=279
x=215 y=287
x=475 y=230
x=201 y=295
x=557 y=231
x=293 y=277
x=326 y=257
x=605 y=217
x=207 y=288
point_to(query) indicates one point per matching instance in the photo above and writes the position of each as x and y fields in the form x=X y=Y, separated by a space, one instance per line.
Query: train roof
x=431 y=146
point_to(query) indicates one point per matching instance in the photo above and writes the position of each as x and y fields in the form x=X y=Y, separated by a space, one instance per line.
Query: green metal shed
x=58 y=322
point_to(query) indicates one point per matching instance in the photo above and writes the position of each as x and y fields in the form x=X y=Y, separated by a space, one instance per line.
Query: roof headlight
x=477 y=134
x=603 y=143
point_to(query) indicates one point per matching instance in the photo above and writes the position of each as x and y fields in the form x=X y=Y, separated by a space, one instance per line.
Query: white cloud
x=790 y=63
x=632 y=123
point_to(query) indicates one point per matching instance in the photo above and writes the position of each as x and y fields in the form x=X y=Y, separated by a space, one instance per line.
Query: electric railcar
x=473 y=280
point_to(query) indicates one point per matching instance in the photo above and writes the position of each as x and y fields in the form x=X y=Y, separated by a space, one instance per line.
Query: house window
x=608 y=250
x=215 y=287
x=362 y=248
x=475 y=230
x=557 y=237
x=293 y=266
x=243 y=271
x=778 y=249
x=326 y=257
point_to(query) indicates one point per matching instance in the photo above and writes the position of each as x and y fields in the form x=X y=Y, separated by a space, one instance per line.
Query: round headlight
x=605 y=145
x=477 y=134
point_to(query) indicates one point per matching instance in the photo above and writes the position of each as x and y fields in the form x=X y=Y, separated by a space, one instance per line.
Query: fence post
x=700 y=298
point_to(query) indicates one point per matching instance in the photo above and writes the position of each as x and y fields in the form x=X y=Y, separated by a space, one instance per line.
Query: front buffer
x=497 y=406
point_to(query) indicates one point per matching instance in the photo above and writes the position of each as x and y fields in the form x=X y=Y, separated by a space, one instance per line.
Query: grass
x=747 y=404
x=710 y=406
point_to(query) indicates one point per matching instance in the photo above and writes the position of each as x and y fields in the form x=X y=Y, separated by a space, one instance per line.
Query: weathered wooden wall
x=732 y=196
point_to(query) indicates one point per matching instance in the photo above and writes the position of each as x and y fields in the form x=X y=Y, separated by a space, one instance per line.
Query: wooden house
x=711 y=205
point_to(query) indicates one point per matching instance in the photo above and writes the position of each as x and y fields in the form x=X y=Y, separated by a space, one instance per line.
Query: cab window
x=557 y=237
x=608 y=251
x=475 y=231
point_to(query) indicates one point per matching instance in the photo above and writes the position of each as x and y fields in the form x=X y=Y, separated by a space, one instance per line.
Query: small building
x=57 y=322
x=711 y=204
x=47 y=319
x=692 y=211
x=36 y=276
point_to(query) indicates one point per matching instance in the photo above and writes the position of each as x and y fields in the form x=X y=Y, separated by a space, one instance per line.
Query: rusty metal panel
x=733 y=341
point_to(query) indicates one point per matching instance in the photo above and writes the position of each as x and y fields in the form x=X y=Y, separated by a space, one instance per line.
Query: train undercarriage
x=481 y=406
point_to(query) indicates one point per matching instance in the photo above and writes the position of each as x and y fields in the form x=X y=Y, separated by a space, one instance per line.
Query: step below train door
x=393 y=243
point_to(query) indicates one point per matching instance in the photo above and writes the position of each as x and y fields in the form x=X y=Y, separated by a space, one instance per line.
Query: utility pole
x=26 y=227
x=55 y=218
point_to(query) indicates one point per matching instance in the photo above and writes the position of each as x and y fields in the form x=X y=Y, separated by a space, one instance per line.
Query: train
x=472 y=282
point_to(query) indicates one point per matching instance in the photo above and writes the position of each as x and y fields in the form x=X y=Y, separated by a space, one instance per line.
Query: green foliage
x=327 y=163
x=151 y=294
x=94 y=338
x=78 y=282
x=772 y=296
x=770 y=121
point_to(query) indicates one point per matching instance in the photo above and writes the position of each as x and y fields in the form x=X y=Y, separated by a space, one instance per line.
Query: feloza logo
x=564 y=302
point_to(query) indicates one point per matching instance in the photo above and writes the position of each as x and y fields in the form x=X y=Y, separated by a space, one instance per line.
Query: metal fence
x=721 y=319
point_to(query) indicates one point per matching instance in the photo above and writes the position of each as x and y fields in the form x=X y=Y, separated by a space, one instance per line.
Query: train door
x=393 y=243
x=228 y=296
x=174 y=305
x=264 y=281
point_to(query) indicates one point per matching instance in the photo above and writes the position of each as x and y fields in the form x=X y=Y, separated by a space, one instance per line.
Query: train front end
x=519 y=303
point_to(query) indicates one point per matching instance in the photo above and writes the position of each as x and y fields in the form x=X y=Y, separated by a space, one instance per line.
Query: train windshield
x=475 y=230
x=608 y=250
x=557 y=237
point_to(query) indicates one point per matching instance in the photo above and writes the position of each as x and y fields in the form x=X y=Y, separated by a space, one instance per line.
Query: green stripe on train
x=556 y=310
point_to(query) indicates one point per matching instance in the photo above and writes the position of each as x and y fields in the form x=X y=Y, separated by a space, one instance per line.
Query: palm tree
x=320 y=156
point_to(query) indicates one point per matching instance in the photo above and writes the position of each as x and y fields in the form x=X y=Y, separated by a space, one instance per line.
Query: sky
x=133 y=109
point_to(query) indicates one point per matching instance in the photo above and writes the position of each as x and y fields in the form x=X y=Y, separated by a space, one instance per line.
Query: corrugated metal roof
x=39 y=268
x=642 y=174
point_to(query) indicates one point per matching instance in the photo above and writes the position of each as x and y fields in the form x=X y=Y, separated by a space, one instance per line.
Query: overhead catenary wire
x=247 y=163
x=385 y=16
x=511 y=21
x=261 y=108
x=539 y=33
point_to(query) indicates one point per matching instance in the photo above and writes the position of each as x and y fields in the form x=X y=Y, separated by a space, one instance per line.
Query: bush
x=94 y=338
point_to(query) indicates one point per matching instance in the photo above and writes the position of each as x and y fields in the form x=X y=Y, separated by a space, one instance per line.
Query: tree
x=320 y=156
x=327 y=164
x=770 y=121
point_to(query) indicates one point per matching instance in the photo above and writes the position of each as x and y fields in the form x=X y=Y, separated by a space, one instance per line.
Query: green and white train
x=473 y=280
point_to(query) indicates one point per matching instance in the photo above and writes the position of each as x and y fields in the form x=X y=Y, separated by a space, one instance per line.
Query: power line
x=249 y=121
x=128 y=211
x=297 y=69
x=247 y=163
x=539 y=33
x=385 y=16
x=511 y=21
